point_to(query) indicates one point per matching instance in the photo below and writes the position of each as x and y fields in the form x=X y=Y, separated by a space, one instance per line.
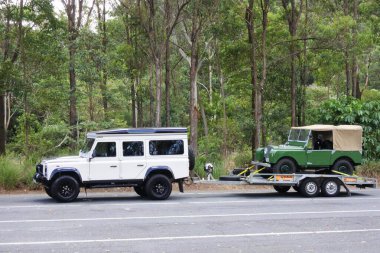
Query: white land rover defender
x=148 y=159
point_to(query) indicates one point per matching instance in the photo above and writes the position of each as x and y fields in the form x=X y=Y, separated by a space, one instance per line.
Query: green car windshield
x=298 y=137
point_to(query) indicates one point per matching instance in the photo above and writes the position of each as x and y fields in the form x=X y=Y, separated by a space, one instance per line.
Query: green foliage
x=370 y=95
x=244 y=157
x=38 y=79
x=352 y=111
x=16 y=172
x=369 y=169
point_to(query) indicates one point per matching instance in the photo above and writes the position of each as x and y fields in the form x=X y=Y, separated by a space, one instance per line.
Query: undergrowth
x=16 y=173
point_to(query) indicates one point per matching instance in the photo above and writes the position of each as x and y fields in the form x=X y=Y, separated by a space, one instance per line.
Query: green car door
x=318 y=158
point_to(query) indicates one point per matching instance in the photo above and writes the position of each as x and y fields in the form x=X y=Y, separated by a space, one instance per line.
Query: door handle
x=113 y=166
x=140 y=165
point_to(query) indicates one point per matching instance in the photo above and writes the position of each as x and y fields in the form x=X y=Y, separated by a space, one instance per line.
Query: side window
x=167 y=147
x=133 y=148
x=105 y=149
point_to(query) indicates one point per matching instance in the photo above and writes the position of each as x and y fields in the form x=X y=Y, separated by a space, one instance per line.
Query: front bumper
x=38 y=178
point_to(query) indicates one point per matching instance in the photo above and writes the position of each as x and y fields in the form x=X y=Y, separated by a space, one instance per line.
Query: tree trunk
x=347 y=71
x=167 y=7
x=305 y=69
x=293 y=82
x=103 y=68
x=140 y=112
x=3 y=124
x=293 y=16
x=74 y=11
x=355 y=66
x=73 y=99
x=167 y=81
x=210 y=75
x=27 y=124
x=194 y=66
x=252 y=40
x=91 y=100
x=134 y=103
x=259 y=105
x=4 y=108
x=346 y=53
x=221 y=80
x=157 y=65
x=194 y=98
x=151 y=96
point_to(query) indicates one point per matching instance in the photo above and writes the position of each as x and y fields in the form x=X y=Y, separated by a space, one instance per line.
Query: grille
x=39 y=168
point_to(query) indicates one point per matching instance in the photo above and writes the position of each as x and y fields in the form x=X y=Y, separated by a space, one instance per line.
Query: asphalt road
x=257 y=221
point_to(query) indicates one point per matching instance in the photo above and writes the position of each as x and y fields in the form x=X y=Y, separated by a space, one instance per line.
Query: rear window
x=133 y=148
x=166 y=147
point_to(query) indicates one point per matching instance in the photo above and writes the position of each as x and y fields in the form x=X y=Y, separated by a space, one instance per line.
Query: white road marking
x=191 y=216
x=86 y=203
x=283 y=200
x=192 y=237
x=89 y=204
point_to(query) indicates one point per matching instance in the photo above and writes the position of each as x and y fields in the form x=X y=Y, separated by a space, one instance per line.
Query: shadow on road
x=117 y=197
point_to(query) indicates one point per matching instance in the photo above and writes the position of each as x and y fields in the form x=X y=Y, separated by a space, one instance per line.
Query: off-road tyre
x=281 y=188
x=191 y=159
x=158 y=187
x=237 y=171
x=65 y=189
x=330 y=187
x=48 y=191
x=140 y=191
x=344 y=166
x=285 y=166
x=310 y=188
x=230 y=178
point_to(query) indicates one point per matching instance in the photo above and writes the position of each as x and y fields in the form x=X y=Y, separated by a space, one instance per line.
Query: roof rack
x=140 y=131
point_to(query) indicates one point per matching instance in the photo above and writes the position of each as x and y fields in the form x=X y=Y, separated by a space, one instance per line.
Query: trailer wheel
x=281 y=188
x=330 y=188
x=309 y=187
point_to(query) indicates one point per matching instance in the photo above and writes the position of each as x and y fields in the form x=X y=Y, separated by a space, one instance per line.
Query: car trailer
x=309 y=185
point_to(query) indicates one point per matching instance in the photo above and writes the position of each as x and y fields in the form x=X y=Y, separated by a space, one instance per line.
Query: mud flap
x=180 y=185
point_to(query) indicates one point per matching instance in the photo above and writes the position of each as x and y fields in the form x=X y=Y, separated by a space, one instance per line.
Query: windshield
x=87 y=147
x=299 y=135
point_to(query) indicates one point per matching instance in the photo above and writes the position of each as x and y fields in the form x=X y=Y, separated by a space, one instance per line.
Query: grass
x=16 y=173
x=369 y=169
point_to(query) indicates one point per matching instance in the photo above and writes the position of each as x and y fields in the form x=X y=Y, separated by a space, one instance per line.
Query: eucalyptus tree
x=75 y=12
x=12 y=16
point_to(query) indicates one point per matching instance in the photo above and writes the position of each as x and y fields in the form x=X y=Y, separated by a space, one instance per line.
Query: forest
x=237 y=73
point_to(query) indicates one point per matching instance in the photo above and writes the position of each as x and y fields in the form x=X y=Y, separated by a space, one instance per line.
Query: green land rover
x=322 y=148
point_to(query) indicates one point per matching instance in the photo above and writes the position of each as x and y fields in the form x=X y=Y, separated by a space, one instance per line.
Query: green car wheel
x=285 y=166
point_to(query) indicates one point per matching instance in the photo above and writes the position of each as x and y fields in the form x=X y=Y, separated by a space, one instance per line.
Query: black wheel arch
x=163 y=170
x=73 y=172
x=344 y=158
x=287 y=157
